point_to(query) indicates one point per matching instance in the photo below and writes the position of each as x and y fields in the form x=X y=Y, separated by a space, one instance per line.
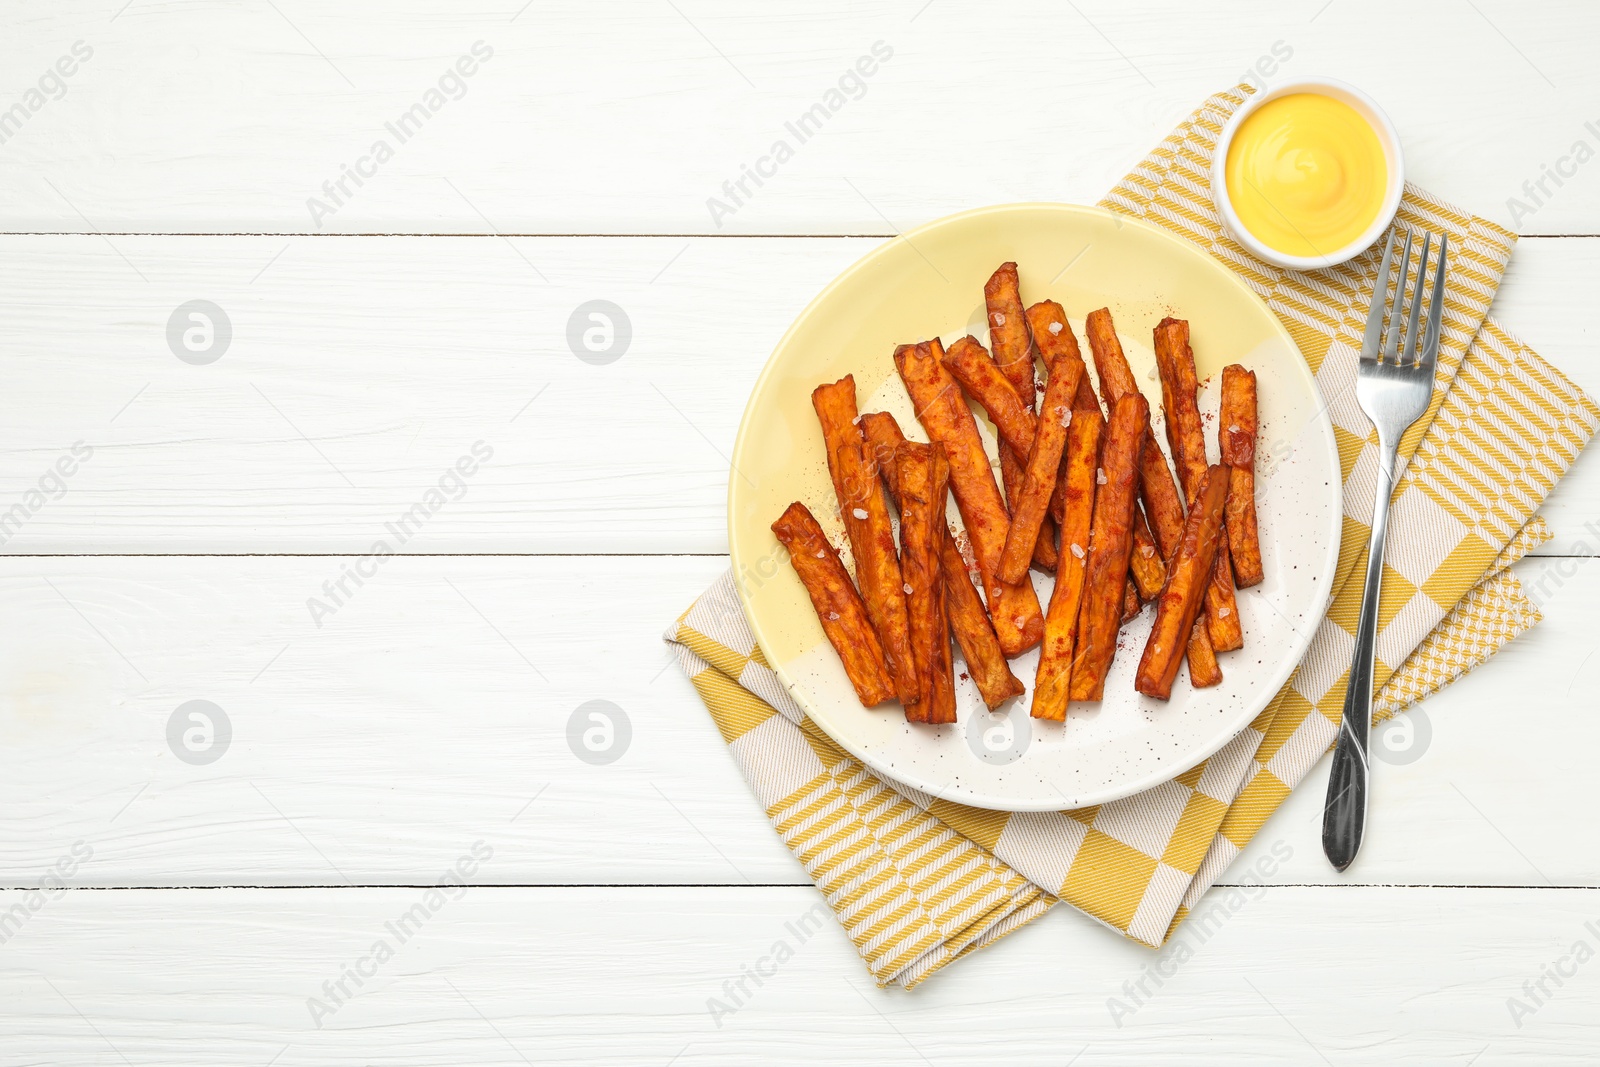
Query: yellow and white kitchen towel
x=918 y=881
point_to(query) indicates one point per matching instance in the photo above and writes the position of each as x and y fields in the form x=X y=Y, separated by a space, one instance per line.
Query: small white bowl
x=1387 y=137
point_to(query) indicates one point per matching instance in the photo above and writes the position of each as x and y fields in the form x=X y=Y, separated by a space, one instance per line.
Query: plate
x=930 y=281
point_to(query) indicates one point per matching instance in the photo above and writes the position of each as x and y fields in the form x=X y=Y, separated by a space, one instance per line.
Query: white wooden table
x=418 y=719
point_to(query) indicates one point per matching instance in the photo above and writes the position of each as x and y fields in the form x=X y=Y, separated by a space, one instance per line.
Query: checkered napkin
x=919 y=881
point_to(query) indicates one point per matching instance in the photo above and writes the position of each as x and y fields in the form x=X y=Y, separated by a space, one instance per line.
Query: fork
x=1394 y=383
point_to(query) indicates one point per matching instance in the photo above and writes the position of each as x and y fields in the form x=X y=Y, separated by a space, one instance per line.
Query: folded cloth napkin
x=918 y=881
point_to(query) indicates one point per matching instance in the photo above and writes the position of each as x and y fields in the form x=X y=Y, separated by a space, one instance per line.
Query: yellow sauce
x=1306 y=174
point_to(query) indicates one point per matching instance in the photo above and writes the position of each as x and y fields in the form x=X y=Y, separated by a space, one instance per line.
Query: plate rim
x=962 y=794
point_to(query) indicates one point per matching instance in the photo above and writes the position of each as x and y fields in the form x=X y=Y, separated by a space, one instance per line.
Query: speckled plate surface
x=930 y=281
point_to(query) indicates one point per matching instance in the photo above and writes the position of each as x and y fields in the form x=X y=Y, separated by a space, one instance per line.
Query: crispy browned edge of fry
x=1014 y=609
x=970 y=364
x=969 y=622
x=1130 y=602
x=1043 y=469
x=923 y=474
x=1236 y=440
x=828 y=584
x=1013 y=350
x=1179 y=606
x=1062 y=344
x=1110 y=545
x=877 y=566
x=1054 y=674
x=1175 y=362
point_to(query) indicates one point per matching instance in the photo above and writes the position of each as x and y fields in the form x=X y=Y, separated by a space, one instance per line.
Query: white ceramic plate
x=930 y=281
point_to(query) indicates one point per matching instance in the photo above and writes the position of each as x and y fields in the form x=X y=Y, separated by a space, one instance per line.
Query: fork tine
x=1380 y=300
x=1391 y=343
x=1408 y=354
x=1430 y=338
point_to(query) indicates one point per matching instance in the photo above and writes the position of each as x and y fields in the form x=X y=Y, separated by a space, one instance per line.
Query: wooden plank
x=360 y=370
x=434 y=706
x=614 y=976
x=219 y=117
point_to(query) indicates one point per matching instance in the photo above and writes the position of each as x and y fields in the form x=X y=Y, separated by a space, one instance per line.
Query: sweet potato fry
x=839 y=607
x=1155 y=478
x=1130 y=602
x=1051 y=680
x=1191 y=571
x=1012 y=479
x=1179 y=384
x=1044 y=464
x=1054 y=337
x=1018 y=619
x=1110 y=364
x=883 y=435
x=969 y=363
x=1163 y=504
x=1175 y=363
x=1222 y=605
x=1008 y=324
x=1047 y=321
x=1116 y=381
x=1147 y=566
x=1236 y=436
x=1013 y=351
x=974 y=632
x=923 y=474
x=1164 y=507
x=866 y=521
x=1110 y=545
x=835 y=404
x=969 y=623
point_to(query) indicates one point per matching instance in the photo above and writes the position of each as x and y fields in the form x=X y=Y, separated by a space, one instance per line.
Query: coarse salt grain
x=856 y=421
x=1152 y=374
x=999 y=318
x=1066 y=416
x=833 y=616
x=1055 y=327
x=859 y=513
x=1100 y=476
x=1147 y=551
x=1223 y=613
x=822 y=555
x=906 y=588
x=1233 y=427
x=1077 y=550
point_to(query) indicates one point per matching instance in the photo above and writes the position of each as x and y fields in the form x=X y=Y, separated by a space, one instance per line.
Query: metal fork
x=1394 y=383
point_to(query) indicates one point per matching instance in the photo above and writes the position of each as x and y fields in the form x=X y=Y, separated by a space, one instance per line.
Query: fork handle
x=1344 y=814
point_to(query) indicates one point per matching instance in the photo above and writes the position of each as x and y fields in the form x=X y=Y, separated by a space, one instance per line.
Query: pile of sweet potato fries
x=1088 y=496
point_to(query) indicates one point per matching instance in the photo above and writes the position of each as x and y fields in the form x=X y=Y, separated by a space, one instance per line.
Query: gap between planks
x=340 y=886
x=550 y=235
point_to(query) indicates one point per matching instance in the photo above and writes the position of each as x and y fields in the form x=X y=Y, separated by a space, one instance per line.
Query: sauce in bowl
x=1306 y=174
